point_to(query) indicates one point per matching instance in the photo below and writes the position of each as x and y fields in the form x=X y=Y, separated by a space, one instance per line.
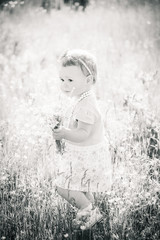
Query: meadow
x=126 y=42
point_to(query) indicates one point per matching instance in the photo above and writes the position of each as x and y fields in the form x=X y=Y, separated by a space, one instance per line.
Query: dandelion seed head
x=66 y=235
x=82 y=227
x=3 y=237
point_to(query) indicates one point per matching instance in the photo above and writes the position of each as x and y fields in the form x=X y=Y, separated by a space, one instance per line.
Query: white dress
x=85 y=167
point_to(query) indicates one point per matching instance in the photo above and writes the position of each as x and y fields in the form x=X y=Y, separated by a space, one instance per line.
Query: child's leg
x=76 y=197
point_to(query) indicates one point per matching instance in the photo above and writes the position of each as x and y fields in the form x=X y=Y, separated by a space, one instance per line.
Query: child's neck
x=84 y=94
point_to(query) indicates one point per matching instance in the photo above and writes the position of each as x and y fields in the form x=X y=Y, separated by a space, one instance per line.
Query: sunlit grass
x=126 y=44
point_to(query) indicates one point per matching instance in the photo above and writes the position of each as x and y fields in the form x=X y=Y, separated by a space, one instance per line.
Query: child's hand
x=58 y=133
x=52 y=122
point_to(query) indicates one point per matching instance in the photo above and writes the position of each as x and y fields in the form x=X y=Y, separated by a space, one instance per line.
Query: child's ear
x=90 y=79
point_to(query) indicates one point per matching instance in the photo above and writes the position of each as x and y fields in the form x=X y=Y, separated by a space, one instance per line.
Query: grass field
x=126 y=42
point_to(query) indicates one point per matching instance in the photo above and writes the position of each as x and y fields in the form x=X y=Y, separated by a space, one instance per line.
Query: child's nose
x=65 y=85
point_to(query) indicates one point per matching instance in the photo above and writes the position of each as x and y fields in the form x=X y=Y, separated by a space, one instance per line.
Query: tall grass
x=126 y=42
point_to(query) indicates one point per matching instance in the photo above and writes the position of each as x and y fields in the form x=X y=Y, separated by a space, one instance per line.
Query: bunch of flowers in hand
x=55 y=122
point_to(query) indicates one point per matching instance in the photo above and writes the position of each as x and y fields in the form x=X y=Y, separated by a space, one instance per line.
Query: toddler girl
x=85 y=166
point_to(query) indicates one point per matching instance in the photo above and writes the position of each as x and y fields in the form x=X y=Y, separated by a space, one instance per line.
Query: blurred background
x=124 y=35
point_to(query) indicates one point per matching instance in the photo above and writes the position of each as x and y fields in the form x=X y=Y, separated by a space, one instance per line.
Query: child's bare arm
x=74 y=135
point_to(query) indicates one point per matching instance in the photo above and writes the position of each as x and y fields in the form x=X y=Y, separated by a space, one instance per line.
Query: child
x=85 y=166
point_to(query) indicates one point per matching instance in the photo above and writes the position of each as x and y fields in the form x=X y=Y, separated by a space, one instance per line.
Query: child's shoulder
x=86 y=111
x=88 y=104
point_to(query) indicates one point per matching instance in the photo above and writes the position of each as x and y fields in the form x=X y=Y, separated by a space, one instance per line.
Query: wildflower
x=66 y=235
x=55 y=122
x=82 y=228
x=13 y=192
x=22 y=132
x=4 y=178
x=147 y=195
x=156 y=173
x=17 y=155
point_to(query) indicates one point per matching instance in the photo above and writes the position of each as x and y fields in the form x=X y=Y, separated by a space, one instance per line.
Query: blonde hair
x=81 y=58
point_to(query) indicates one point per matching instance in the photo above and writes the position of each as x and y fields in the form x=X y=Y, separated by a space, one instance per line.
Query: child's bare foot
x=95 y=217
x=84 y=213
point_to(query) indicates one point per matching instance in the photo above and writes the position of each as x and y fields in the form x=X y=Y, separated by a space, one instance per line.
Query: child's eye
x=62 y=79
x=70 y=80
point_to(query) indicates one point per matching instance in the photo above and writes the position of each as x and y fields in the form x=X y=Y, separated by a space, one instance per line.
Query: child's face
x=73 y=81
